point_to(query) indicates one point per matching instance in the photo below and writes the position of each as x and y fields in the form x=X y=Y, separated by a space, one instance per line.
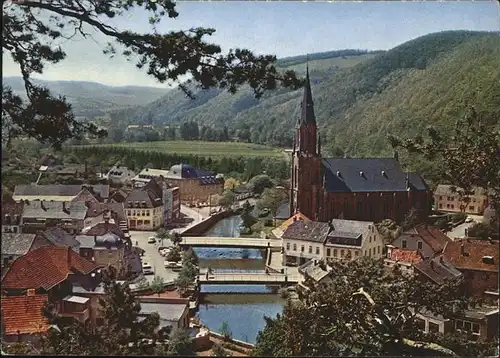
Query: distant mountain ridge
x=359 y=99
x=91 y=99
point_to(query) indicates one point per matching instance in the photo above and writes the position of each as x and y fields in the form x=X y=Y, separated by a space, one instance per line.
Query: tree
x=157 y=285
x=176 y=238
x=411 y=219
x=122 y=333
x=180 y=344
x=480 y=230
x=225 y=331
x=389 y=230
x=469 y=158
x=260 y=182
x=174 y=254
x=32 y=33
x=162 y=234
x=363 y=310
x=219 y=351
x=190 y=257
x=227 y=199
x=246 y=215
x=231 y=184
x=271 y=199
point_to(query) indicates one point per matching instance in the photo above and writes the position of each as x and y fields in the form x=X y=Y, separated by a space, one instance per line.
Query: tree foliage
x=219 y=351
x=225 y=331
x=32 y=31
x=260 y=182
x=122 y=333
x=174 y=254
x=190 y=257
x=246 y=215
x=180 y=344
x=271 y=199
x=227 y=199
x=470 y=156
x=364 y=309
x=157 y=285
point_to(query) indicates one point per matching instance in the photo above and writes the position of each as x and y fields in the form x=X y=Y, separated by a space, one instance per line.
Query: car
x=164 y=252
x=152 y=240
x=170 y=264
x=469 y=219
x=147 y=269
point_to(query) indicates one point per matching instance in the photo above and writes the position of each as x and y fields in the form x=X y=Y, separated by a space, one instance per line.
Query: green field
x=202 y=148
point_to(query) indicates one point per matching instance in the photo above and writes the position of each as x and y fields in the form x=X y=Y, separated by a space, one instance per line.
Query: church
x=365 y=189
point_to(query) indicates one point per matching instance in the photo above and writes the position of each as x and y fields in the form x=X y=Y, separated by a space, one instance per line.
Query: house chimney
x=65 y=208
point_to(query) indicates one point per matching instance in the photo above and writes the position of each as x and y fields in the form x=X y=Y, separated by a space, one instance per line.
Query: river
x=243 y=307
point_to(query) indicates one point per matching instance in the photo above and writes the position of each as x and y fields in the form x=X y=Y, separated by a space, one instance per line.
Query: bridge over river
x=239 y=242
x=246 y=278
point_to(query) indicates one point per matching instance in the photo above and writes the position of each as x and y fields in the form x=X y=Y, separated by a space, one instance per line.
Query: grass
x=202 y=148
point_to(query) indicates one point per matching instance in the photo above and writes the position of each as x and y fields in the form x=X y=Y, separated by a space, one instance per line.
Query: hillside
x=90 y=98
x=359 y=98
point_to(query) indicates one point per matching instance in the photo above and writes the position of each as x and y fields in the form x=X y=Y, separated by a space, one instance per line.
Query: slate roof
x=283 y=212
x=307 y=104
x=106 y=241
x=475 y=250
x=185 y=171
x=314 y=271
x=307 y=231
x=24 y=314
x=405 y=255
x=12 y=208
x=54 y=210
x=60 y=238
x=437 y=270
x=378 y=175
x=103 y=228
x=44 y=268
x=96 y=209
x=16 y=244
x=167 y=311
x=101 y=190
x=47 y=190
x=118 y=196
x=142 y=196
x=85 y=196
x=431 y=235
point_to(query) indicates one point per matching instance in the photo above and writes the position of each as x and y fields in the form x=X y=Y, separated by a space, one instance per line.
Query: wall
x=479 y=281
x=232 y=340
x=106 y=257
x=452 y=203
x=412 y=244
x=302 y=254
x=205 y=225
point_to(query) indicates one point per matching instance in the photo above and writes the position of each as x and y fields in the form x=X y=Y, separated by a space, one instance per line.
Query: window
x=294 y=247
x=471 y=207
x=440 y=206
x=378 y=249
x=341 y=253
x=302 y=248
x=359 y=208
x=310 y=249
x=369 y=239
x=147 y=222
x=420 y=324
x=366 y=253
x=440 y=197
x=14 y=229
x=433 y=327
x=452 y=206
x=403 y=244
x=419 y=245
x=317 y=250
x=288 y=246
x=328 y=252
x=334 y=252
x=356 y=253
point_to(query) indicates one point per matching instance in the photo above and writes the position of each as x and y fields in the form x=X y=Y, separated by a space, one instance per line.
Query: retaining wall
x=234 y=341
x=203 y=226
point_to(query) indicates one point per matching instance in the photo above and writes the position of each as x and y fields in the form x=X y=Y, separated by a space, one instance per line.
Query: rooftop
x=167 y=311
x=443 y=189
x=46 y=190
x=16 y=244
x=405 y=255
x=60 y=238
x=54 y=210
x=472 y=254
x=307 y=231
x=369 y=175
x=23 y=314
x=431 y=235
x=44 y=268
x=437 y=270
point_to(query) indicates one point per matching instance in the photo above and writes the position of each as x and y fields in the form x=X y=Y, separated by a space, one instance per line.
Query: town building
x=405 y=259
x=17 y=245
x=111 y=212
x=478 y=262
x=280 y=230
x=436 y=270
x=119 y=175
x=338 y=240
x=175 y=315
x=40 y=215
x=447 y=200
x=195 y=185
x=52 y=272
x=152 y=206
x=429 y=240
x=11 y=216
x=58 y=192
x=368 y=189
x=315 y=270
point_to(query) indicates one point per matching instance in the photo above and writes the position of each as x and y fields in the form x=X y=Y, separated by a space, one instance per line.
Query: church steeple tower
x=306 y=125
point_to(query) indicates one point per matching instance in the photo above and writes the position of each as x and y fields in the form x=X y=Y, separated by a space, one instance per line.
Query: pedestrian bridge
x=243 y=242
x=246 y=278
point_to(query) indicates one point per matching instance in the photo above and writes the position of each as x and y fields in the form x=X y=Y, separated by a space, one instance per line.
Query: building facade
x=427 y=239
x=447 y=200
x=41 y=215
x=368 y=189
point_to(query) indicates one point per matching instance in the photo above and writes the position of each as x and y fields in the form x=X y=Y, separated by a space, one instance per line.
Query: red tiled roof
x=45 y=267
x=405 y=255
x=474 y=250
x=24 y=314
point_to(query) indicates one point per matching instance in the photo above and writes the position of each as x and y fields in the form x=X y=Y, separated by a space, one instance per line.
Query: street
x=151 y=254
x=459 y=231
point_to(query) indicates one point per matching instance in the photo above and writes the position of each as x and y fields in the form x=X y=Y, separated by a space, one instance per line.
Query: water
x=246 y=305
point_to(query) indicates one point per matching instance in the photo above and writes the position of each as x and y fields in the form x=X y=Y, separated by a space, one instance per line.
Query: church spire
x=307 y=114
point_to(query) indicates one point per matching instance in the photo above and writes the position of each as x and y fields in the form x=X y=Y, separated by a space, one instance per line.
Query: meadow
x=203 y=148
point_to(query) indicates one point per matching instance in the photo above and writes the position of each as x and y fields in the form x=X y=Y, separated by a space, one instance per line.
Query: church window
x=386 y=207
x=359 y=208
x=346 y=206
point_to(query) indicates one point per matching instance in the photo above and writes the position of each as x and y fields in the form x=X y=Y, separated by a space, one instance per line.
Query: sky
x=281 y=28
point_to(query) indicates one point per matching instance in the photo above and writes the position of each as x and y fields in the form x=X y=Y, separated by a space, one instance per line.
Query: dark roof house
x=16 y=244
x=431 y=235
x=61 y=238
x=437 y=270
x=307 y=231
x=54 y=210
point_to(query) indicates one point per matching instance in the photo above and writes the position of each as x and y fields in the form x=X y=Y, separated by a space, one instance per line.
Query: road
x=151 y=254
x=459 y=231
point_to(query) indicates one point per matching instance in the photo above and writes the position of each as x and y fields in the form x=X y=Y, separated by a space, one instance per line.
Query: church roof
x=368 y=175
x=307 y=105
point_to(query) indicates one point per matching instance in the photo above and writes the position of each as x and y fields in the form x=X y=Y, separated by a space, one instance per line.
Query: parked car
x=177 y=267
x=147 y=269
x=171 y=264
x=469 y=219
x=151 y=240
x=164 y=252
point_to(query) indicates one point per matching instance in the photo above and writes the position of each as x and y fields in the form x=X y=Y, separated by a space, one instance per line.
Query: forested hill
x=90 y=99
x=359 y=98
